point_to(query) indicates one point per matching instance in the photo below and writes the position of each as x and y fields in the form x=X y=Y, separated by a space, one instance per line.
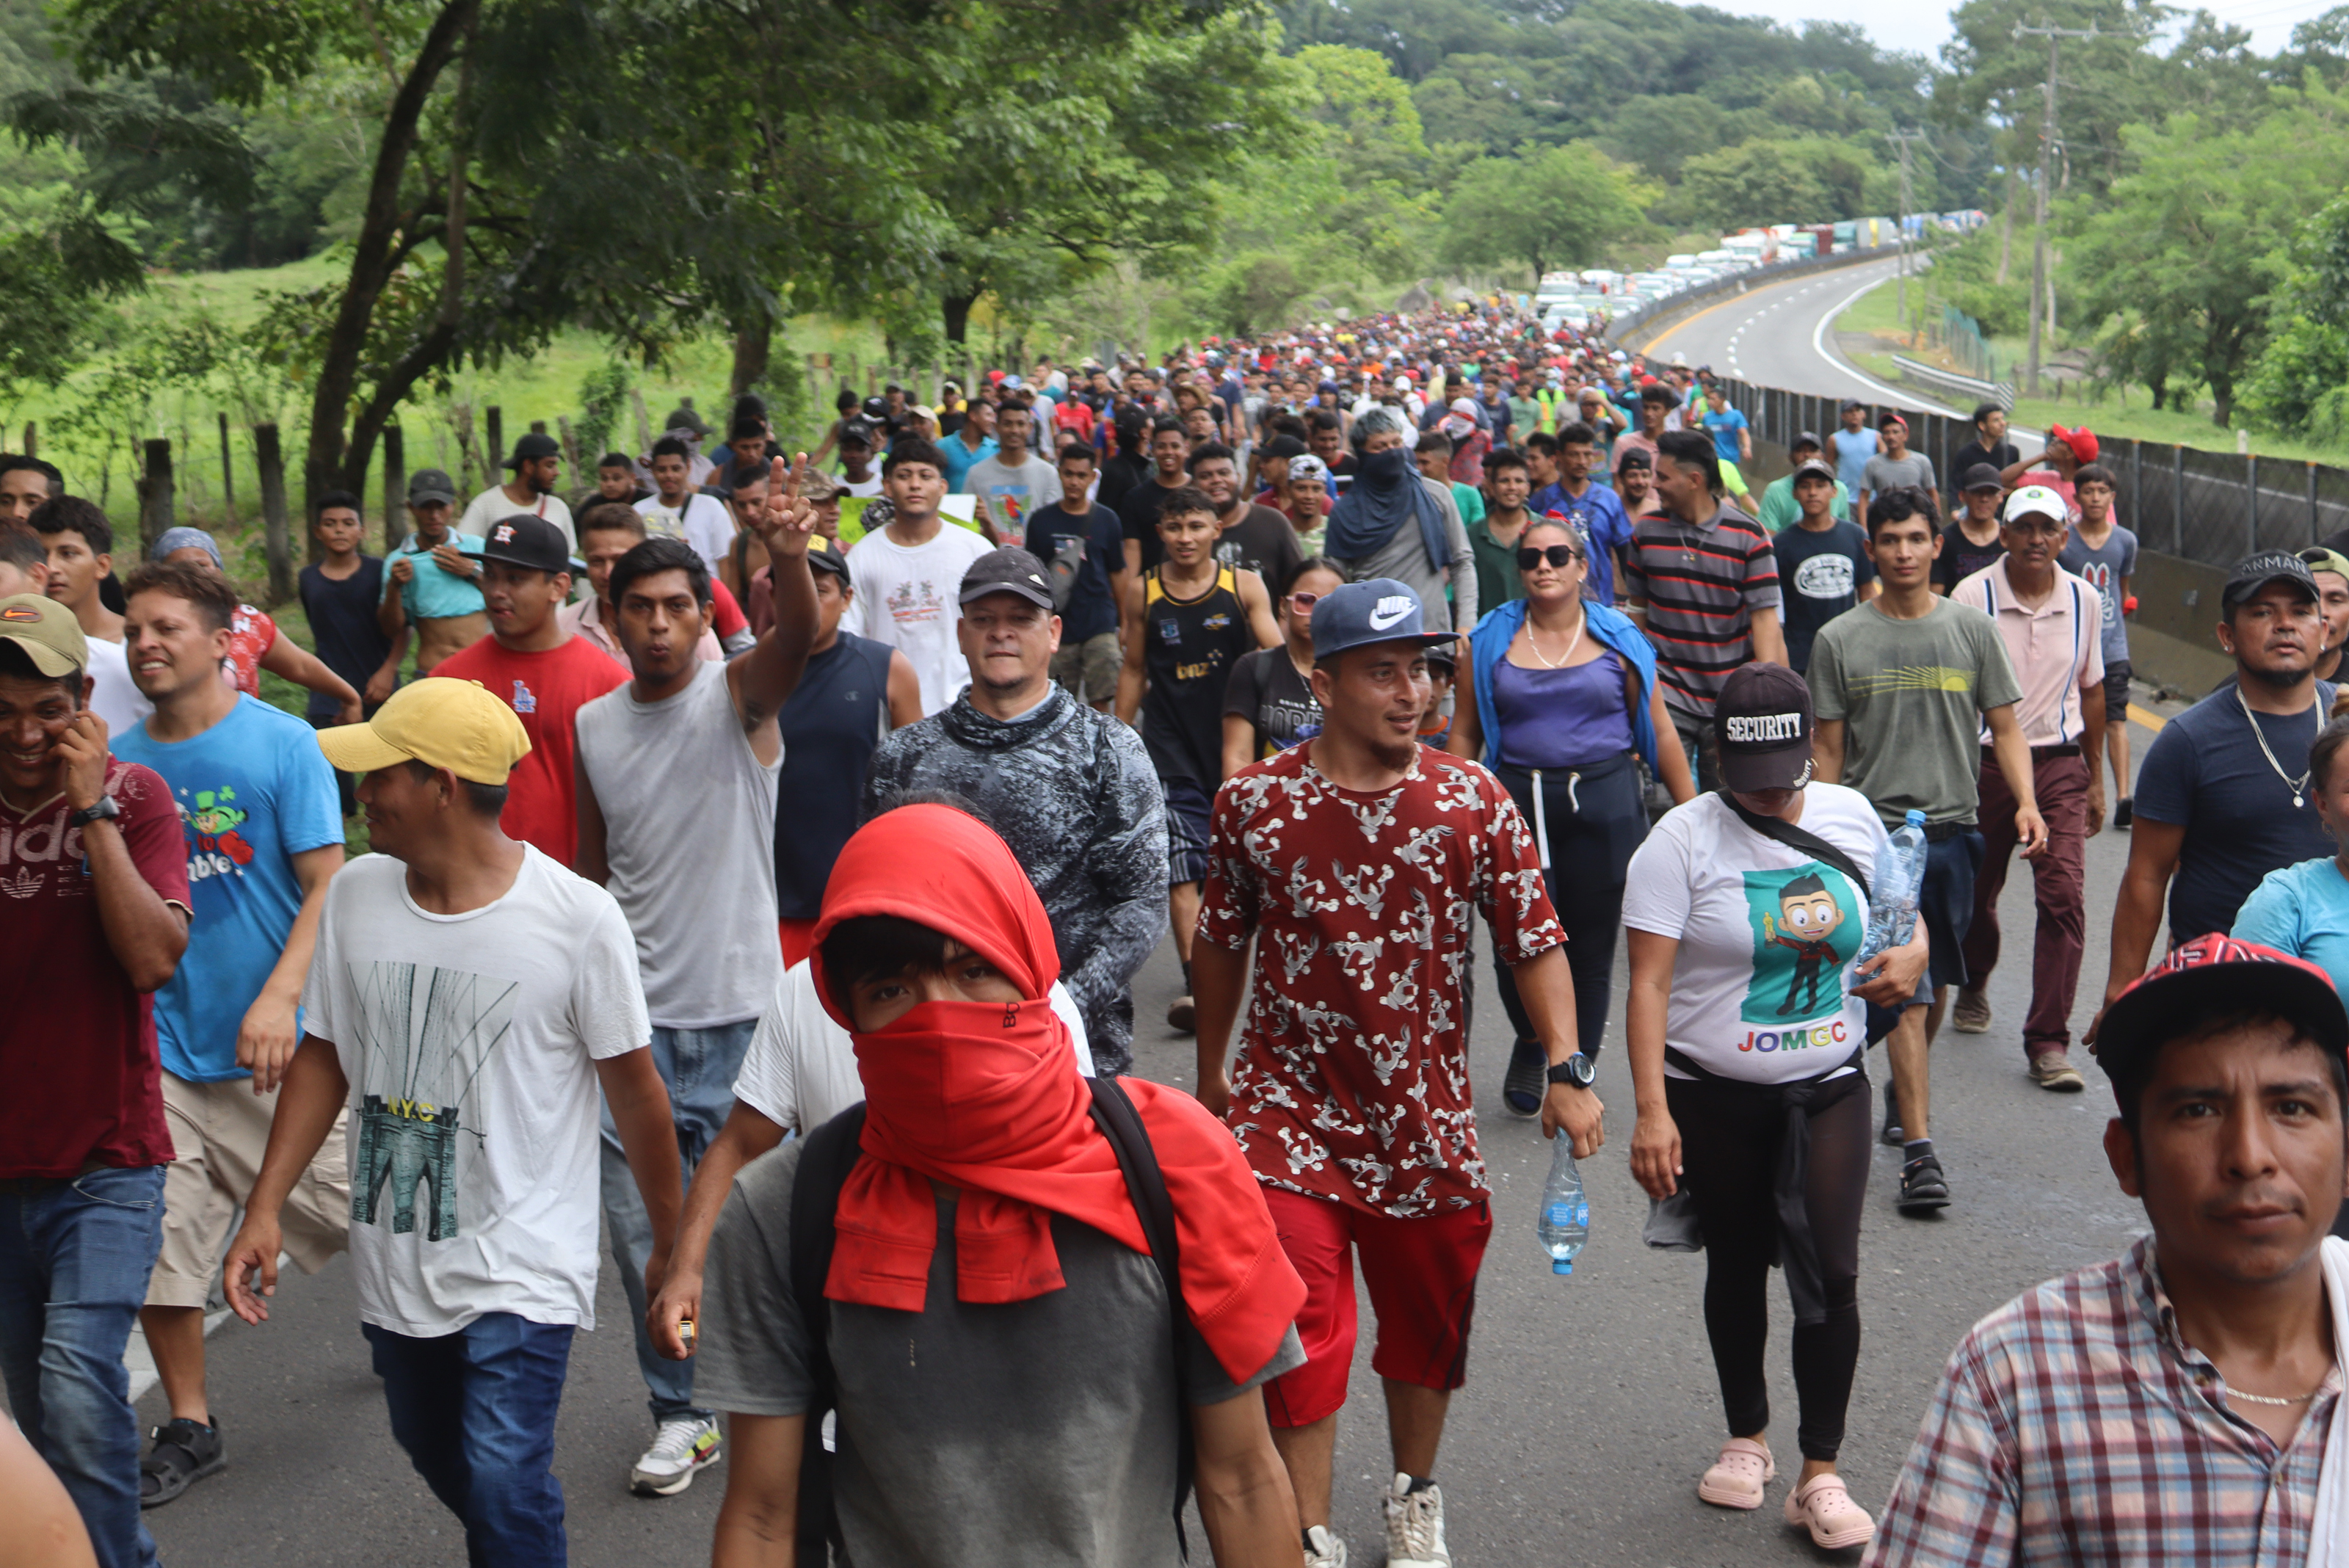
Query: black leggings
x=1595 y=823
x=1729 y=1154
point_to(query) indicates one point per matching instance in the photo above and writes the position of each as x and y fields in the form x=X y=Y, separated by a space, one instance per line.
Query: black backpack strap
x=1119 y=1123
x=826 y=1157
x=1801 y=838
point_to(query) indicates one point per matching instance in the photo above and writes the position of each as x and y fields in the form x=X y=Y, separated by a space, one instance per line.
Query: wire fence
x=2210 y=507
x=1961 y=335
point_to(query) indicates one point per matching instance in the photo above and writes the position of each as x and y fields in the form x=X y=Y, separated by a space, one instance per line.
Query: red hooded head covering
x=985 y=1097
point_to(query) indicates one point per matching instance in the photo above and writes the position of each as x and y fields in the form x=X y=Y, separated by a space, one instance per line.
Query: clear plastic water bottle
x=1565 y=1211
x=1892 y=908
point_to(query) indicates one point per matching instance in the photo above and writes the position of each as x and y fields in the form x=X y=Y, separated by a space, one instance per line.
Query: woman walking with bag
x=1558 y=697
x=1748 y=1045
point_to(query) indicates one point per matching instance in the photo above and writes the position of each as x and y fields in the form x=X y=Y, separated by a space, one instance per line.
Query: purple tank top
x=1561 y=718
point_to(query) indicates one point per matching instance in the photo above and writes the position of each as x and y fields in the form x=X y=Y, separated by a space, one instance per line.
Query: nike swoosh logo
x=1381 y=622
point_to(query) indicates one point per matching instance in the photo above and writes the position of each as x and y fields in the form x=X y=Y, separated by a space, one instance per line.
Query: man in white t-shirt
x=468 y=999
x=702 y=909
x=81 y=555
x=908 y=575
x=1011 y=482
x=675 y=510
x=537 y=464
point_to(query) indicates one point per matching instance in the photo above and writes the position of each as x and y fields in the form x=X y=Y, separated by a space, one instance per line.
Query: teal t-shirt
x=2303 y=911
x=435 y=593
x=253 y=791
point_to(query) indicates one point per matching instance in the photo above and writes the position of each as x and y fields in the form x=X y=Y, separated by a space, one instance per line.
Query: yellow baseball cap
x=47 y=631
x=442 y=724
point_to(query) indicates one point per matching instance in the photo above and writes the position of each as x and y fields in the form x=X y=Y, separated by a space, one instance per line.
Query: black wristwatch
x=105 y=809
x=1576 y=1070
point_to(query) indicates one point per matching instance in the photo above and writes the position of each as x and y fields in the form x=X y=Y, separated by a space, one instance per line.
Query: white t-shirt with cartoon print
x=1761 y=985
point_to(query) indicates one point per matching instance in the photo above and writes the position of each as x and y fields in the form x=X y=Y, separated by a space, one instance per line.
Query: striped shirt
x=2074 y=1425
x=1701 y=584
x=2056 y=648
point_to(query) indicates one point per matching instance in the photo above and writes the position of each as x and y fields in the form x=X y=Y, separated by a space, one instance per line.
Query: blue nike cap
x=1379 y=609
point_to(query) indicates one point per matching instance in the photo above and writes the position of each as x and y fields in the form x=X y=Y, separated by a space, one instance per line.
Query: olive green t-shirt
x=1911 y=694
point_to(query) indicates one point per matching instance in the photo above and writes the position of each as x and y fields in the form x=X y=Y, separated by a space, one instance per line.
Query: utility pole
x=1903 y=138
x=2055 y=37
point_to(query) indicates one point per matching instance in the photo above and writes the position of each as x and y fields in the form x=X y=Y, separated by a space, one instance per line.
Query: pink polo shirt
x=2056 y=648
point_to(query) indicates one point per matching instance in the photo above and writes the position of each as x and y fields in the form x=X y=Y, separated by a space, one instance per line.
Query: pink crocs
x=1823 y=1507
x=1737 y=1477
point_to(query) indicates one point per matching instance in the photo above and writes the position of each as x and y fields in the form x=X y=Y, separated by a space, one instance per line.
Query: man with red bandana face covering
x=996 y=1327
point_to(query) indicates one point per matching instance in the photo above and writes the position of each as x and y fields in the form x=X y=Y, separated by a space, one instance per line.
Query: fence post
x=269 y=462
x=32 y=439
x=2315 y=518
x=494 y=419
x=570 y=443
x=155 y=495
x=2251 y=483
x=2137 y=488
x=228 y=474
x=395 y=487
x=2177 y=499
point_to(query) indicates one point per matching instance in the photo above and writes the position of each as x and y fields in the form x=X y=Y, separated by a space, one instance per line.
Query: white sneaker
x=1323 y=1550
x=680 y=1448
x=1415 y=1526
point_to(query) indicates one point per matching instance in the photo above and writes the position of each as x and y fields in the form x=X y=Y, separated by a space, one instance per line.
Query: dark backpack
x=830 y=1153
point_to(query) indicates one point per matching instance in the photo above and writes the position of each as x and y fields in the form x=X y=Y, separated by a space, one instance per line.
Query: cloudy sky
x=1924 y=28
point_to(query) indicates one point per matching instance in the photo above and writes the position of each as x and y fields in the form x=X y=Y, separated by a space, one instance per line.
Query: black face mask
x=1388 y=467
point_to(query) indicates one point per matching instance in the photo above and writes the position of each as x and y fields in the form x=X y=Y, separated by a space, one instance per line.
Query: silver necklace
x=2299 y=786
x=2235 y=1393
x=1580 y=624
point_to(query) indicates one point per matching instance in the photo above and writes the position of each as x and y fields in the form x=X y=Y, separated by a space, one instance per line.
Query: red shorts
x=798 y=937
x=1422 y=1276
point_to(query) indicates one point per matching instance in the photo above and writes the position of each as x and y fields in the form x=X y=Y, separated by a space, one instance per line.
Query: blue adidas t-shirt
x=253 y=791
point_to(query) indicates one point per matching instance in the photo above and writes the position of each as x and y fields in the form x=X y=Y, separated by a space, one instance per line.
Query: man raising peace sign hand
x=677 y=775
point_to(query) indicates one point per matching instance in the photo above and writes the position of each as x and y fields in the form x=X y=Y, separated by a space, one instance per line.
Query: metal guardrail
x=1970 y=388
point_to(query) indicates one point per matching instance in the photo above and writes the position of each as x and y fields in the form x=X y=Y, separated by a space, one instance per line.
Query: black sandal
x=184 y=1453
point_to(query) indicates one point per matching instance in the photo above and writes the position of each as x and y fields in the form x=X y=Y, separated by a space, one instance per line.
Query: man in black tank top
x=1188 y=621
x=853 y=691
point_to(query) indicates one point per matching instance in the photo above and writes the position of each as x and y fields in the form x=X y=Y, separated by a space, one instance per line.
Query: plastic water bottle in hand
x=1565 y=1211
x=1892 y=908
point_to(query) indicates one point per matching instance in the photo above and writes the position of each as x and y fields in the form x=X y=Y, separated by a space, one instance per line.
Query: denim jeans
x=1699 y=744
x=475 y=1412
x=73 y=1261
x=699 y=1066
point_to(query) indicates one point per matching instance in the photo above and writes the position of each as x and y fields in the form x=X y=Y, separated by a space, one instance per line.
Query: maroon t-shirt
x=77 y=1043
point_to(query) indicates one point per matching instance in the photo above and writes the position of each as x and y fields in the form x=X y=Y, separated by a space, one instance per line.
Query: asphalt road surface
x=1590 y=1406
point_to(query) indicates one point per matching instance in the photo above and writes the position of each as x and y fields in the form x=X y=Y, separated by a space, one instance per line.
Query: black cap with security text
x=1763 y=721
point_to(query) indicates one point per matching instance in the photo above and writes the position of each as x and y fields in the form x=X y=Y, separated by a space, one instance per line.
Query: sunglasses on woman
x=1531 y=556
x=1303 y=603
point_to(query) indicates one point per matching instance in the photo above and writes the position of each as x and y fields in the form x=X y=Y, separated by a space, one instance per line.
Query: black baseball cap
x=524 y=540
x=1636 y=457
x=1377 y=609
x=2255 y=572
x=826 y=555
x=1808 y=437
x=1008 y=570
x=1763 y=721
x=1982 y=476
x=1813 y=469
x=2219 y=968
x=532 y=447
x=856 y=431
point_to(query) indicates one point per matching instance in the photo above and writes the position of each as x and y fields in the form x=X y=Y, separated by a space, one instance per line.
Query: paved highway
x=1590 y=1406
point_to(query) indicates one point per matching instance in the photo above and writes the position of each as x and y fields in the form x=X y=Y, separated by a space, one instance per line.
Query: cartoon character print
x=1806 y=922
x=215 y=846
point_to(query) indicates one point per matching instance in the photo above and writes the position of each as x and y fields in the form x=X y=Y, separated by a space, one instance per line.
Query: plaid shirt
x=2074 y=1425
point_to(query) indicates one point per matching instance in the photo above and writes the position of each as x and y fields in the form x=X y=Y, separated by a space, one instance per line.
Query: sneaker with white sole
x=1322 y=1549
x=2052 y=1071
x=683 y=1445
x=1415 y=1526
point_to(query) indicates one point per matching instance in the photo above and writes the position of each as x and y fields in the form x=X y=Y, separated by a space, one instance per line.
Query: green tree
x=2300 y=385
x=2179 y=260
x=1548 y=209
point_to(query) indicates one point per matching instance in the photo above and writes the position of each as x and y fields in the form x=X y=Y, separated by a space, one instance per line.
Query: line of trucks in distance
x=1573 y=298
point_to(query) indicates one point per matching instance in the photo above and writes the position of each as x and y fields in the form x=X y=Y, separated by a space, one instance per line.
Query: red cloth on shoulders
x=985 y=1097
